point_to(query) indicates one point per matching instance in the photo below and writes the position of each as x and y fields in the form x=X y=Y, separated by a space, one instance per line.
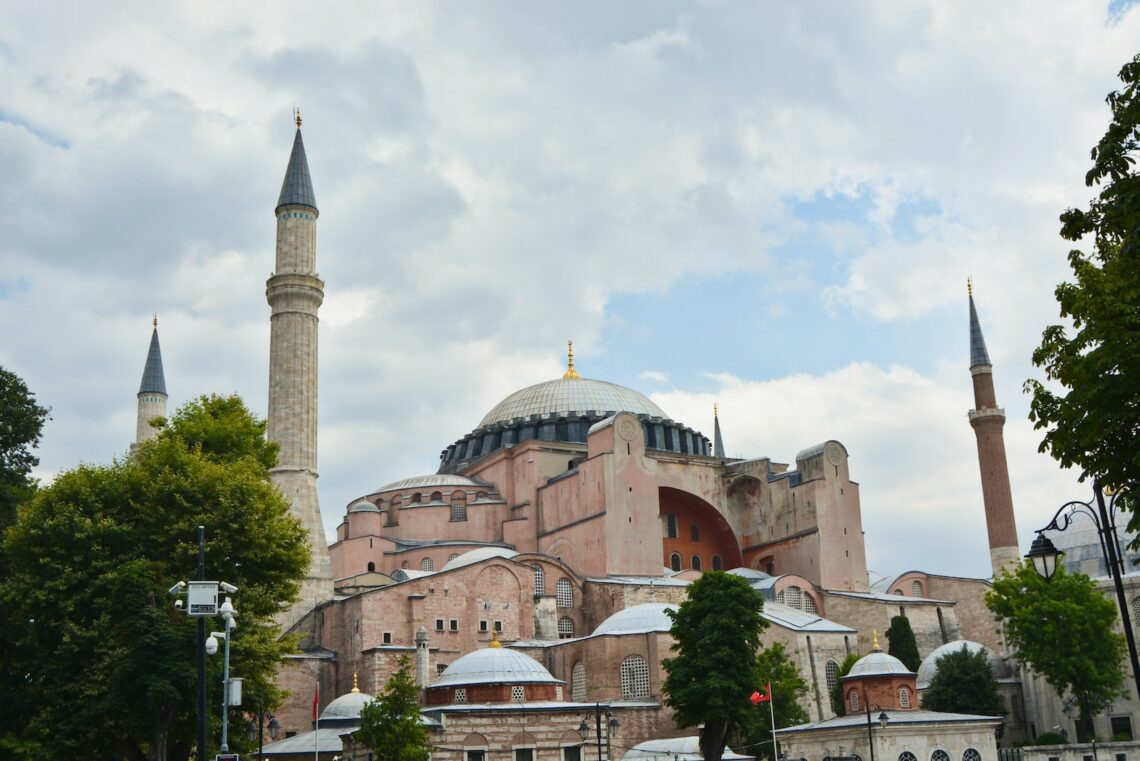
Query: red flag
x=316 y=700
x=758 y=698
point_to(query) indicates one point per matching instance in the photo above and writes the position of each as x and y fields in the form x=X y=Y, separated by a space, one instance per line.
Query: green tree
x=106 y=664
x=21 y=423
x=773 y=666
x=902 y=643
x=716 y=634
x=1064 y=629
x=390 y=726
x=1093 y=420
x=838 y=704
x=964 y=683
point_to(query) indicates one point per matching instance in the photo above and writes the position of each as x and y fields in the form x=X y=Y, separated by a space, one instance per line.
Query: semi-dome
x=495 y=665
x=638 y=619
x=476 y=555
x=564 y=396
x=929 y=666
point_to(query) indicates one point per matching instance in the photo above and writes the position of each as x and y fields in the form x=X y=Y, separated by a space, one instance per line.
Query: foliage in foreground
x=390 y=726
x=754 y=736
x=21 y=423
x=838 y=704
x=902 y=644
x=964 y=683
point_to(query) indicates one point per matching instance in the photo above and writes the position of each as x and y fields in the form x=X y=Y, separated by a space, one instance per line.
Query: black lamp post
x=612 y=725
x=258 y=730
x=883 y=721
x=1044 y=554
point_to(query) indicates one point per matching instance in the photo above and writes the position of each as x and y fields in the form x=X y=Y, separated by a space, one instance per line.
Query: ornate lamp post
x=1044 y=554
x=883 y=721
x=612 y=725
x=257 y=730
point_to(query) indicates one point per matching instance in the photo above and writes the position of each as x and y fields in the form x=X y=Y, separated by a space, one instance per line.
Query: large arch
x=700 y=530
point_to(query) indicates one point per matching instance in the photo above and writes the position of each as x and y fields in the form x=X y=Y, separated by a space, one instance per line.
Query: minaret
x=152 y=391
x=988 y=419
x=295 y=293
x=718 y=442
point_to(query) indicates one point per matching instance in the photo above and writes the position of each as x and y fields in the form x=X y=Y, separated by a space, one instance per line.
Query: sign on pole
x=202 y=598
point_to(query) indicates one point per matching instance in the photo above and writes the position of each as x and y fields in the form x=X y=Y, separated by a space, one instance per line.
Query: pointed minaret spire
x=297 y=187
x=718 y=442
x=152 y=391
x=988 y=420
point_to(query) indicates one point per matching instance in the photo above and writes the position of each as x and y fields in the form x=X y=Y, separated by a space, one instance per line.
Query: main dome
x=564 y=396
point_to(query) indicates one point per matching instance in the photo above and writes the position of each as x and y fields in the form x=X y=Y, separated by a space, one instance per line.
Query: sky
x=770 y=205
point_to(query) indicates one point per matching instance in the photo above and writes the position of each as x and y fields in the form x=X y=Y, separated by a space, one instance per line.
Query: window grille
x=518 y=694
x=460 y=695
x=539 y=580
x=916 y=591
x=970 y=754
x=793 y=597
x=939 y=755
x=454 y=624
x=904 y=700
x=671 y=526
x=675 y=561
x=906 y=755
x=853 y=698
x=452 y=556
x=809 y=604
x=565 y=593
x=634 y=678
x=578 y=683
x=565 y=628
x=427 y=564
x=440 y=668
x=831 y=671
x=439 y=624
x=459 y=507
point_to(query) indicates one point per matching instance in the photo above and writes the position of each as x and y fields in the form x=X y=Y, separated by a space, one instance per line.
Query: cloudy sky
x=774 y=205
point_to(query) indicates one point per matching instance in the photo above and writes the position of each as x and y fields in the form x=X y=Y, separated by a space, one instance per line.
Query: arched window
x=675 y=561
x=906 y=755
x=1136 y=611
x=899 y=592
x=793 y=597
x=696 y=563
x=405 y=565
x=809 y=604
x=539 y=580
x=564 y=593
x=634 y=678
x=417 y=498
x=453 y=556
x=578 y=683
x=371 y=567
x=565 y=628
x=939 y=755
x=916 y=588
x=437 y=496
x=717 y=565
x=427 y=564
x=853 y=700
x=831 y=673
x=904 y=698
x=971 y=754
x=458 y=506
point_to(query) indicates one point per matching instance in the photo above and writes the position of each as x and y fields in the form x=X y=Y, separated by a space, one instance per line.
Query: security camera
x=178 y=605
x=230 y=588
x=177 y=588
x=211 y=646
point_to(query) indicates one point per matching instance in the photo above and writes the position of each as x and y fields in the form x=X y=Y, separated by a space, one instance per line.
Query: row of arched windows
x=970 y=754
x=634 y=673
x=695 y=562
x=794 y=597
x=915 y=589
x=853 y=696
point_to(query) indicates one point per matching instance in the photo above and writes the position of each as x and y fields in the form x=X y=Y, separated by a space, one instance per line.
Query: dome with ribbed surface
x=878 y=663
x=347 y=706
x=638 y=619
x=495 y=665
x=427 y=482
x=929 y=666
x=564 y=396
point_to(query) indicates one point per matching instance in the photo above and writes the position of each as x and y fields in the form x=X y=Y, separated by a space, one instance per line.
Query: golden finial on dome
x=297 y=117
x=571 y=373
x=495 y=640
x=155 y=320
x=969 y=286
x=355 y=688
x=875 y=641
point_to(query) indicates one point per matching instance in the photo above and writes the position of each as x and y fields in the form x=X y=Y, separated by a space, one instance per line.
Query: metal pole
x=1110 y=542
x=870 y=737
x=201 y=651
x=772 y=716
x=260 y=733
x=226 y=692
x=598 y=727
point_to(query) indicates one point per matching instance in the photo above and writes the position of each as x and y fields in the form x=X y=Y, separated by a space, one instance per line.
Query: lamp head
x=1044 y=555
x=583 y=728
x=884 y=719
x=274 y=727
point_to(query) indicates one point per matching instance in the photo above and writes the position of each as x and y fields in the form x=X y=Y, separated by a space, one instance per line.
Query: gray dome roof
x=363 y=506
x=477 y=555
x=1081 y=544
x=427 y=482
x=637 y=619
x=929 y=666
x=564 y=396
x=347 y=706
x=495 y=665
x=877 y=663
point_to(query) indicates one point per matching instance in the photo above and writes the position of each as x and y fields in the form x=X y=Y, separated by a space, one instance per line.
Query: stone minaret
x=988 y=419
x=718 y=442
x=152 y=391
x=295 y=293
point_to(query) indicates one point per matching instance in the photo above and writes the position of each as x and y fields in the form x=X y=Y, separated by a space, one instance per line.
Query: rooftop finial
x=355 y=688
x=969 y=286
x=495 y=640
x=571 y=373
x=155 y=320
x=297 y=117
x=875 y=641
x=716 y=411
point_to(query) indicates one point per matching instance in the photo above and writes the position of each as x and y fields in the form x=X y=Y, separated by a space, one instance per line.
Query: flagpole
x=316 y=722
x=772 y=714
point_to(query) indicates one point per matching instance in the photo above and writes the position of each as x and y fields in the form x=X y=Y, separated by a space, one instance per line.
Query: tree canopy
x=21 y=423
x=105 y=666
x=775 y=667
x=1093 y=420
x=964 y=683
x=1064 y=629
x=390 y=726
x=716 y=634
x=902 y=643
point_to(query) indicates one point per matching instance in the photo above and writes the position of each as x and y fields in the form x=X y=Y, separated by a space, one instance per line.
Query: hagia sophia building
x=529 y=575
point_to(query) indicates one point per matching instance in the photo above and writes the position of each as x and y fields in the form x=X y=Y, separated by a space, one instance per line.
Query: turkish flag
x=758 y=698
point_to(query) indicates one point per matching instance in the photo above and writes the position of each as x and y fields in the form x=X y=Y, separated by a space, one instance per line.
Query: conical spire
x=978 y=353
x=297 y=189
x=718 y=442
x=153 y=379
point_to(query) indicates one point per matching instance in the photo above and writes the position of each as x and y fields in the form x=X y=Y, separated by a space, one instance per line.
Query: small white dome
x=878 y=663
x=638 y=619
x=495 y=665
x=363 y=506
x=929 y=666
x=347 y=706
x=477 y=555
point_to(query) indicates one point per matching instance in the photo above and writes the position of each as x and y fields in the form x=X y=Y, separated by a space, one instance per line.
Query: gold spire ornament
x=297 y=117
x=571 y=373
x=875 y=641
x=355 y=688
x=716 y=411
x=495 y=640
x=154 y=322
x=969 y=286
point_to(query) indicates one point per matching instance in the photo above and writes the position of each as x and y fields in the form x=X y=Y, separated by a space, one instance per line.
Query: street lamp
x=612 y=725
x=1044 y=554
x=883 y=721
x=257 y=731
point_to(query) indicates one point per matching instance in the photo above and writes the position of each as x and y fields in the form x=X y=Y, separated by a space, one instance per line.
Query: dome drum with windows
x=494 y=674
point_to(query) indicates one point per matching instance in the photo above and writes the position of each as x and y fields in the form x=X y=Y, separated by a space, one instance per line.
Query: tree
x=1064 y=629
x=964 y=683
x=774 y=667
x=1093 y=423
x=716 y=634
x=106 y=666
x=390 y=726
x=21 y=423
x=838 y=704
x=902 y=644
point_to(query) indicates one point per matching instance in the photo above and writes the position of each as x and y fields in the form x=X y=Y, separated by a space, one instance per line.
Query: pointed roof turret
x=153 y=379
x=718 y=442
x=297 y=188
x=978 y=353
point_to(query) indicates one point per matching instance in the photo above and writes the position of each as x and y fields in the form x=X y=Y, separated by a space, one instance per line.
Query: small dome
x=478 y=555
x=347 y=706
x=929 y=666
x=428 y=482
x=638 y=619
x=363 y=506
x=564 y=396
x=878 y=663
x=495 y=665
